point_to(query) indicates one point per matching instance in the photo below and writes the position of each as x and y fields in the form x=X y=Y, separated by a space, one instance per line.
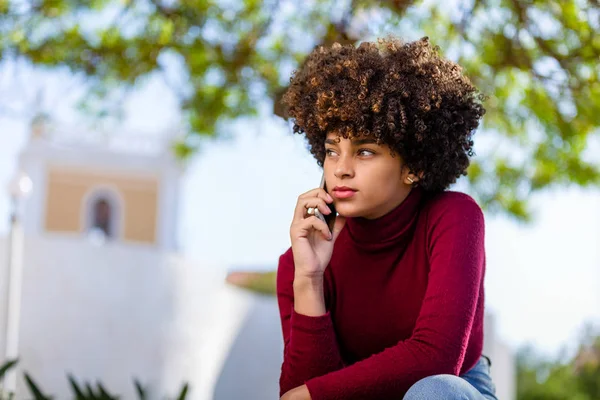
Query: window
x=102 y=217
x=103 y=213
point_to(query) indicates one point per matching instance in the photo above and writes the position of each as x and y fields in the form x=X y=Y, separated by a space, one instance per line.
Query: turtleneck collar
x=393 y=229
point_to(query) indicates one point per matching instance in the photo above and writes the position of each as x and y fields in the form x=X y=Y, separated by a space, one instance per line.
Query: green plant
x=81 y=391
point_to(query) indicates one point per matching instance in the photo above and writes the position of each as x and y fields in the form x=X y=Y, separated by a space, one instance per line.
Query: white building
x=105 y=296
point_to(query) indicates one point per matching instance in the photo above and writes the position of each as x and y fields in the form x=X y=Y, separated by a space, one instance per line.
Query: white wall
x=503 y=368
x=504 y=372
x=116 y=312
x=253 y=364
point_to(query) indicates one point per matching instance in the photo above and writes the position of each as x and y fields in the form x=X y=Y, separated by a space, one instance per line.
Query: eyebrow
x=355 y=142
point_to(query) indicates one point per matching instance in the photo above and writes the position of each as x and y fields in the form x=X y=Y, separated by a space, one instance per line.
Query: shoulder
x=452 y=202
x=452 y=208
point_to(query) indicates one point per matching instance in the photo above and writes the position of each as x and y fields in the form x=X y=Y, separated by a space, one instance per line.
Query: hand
x=312 y=243
x=299 y=393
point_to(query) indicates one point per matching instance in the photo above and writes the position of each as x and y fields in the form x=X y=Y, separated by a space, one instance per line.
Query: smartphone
x=328 y=219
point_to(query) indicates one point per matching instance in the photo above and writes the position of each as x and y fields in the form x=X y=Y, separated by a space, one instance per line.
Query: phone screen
x=329 y=219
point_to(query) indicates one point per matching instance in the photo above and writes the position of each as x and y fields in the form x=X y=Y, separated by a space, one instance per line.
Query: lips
x=343 y=192
x=343 y=189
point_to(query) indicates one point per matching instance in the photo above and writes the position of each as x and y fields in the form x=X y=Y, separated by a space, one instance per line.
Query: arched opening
x=103 y=214
x=101 y=218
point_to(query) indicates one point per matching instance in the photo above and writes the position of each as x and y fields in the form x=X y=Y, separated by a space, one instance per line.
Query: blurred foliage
x=576 y=379
x=258 y=282
x=537 y=60
x=85 y=391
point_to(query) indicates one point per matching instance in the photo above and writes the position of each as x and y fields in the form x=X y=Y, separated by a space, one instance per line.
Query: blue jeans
x=475 y=384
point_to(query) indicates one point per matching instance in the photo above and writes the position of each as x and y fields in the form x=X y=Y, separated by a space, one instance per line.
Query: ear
x=411 y=178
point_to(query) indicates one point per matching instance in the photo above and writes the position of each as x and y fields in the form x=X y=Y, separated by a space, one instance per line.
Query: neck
x=393 y=228
x=389 y=206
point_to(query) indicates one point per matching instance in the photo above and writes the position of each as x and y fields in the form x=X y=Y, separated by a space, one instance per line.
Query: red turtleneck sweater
x=404 y=298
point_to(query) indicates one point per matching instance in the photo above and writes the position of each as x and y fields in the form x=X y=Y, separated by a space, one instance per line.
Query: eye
x=329 y=152
x=366 y=152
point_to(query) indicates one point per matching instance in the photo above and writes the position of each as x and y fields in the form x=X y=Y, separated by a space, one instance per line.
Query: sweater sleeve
x=455 y=234
x=310 y=344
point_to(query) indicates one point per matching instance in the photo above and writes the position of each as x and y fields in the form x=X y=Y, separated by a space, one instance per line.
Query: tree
x=576 y=378
x=537 y=60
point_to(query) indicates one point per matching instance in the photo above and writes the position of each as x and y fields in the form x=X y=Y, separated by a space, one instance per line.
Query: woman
x=389 y=305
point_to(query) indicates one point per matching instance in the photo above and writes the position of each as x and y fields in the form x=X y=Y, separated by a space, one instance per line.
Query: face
x=378 y=181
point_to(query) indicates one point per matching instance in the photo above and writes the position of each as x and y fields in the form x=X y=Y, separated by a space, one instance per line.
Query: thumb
x=338 y=226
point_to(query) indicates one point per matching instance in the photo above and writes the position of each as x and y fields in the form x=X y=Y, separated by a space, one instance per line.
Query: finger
x=314 y=202
x=338 y=226
x=319 y=205
x=318 y=192
x=310 y=224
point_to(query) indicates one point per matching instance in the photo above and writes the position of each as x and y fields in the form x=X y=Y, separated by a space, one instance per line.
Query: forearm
x=309 y=299
x=312 y=350
x=311 y=347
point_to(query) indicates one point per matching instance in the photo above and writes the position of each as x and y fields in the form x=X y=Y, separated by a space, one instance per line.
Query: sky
x=237 y=199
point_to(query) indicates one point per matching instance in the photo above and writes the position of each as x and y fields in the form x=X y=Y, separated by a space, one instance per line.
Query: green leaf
x=4 y=6
x=183 y=393
x=103 y=393
x=7 y=366
x=76 y=389
x=34 y=389
x=139 y=388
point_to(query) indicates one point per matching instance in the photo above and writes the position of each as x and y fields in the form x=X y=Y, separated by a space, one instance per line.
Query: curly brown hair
x=403 y=94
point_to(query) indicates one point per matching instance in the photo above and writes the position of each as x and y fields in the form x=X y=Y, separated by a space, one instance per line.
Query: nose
x=344 y=167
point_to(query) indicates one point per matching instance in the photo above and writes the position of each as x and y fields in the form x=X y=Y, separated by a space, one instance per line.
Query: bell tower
x=121 y=188
x=88 y=269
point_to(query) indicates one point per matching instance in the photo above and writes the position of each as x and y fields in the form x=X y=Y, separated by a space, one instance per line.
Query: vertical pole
x=15 y=268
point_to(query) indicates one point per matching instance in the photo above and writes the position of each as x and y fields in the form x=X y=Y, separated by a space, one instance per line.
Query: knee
x=447 y=387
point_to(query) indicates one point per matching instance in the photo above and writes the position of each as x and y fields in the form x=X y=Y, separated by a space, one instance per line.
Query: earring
x=411 y=180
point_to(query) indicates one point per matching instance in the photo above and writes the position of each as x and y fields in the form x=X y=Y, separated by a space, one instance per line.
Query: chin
x=349 y=210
